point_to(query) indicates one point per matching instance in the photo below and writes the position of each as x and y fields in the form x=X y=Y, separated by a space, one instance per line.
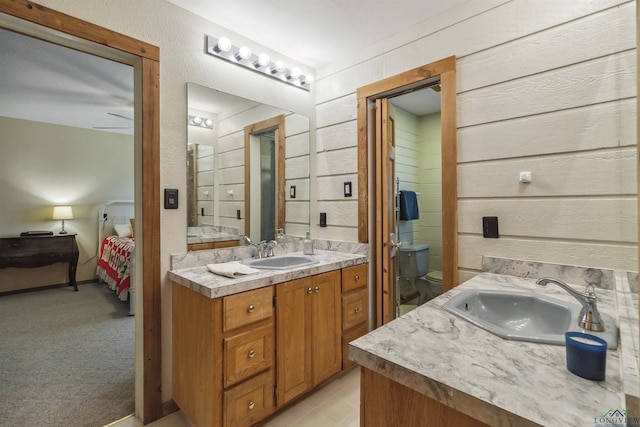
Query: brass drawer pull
x=251 y=405
x=317 y=289
x=357 y=310
x=252 y=353
x=357 y=278
x=251 y=308
x=309 y=290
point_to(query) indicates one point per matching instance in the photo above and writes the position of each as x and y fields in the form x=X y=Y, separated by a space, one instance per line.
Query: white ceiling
x=44 y=82
x=317 y=32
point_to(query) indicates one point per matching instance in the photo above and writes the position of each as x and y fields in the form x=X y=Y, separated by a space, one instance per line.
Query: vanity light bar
x=198 y=121
x=222 y=48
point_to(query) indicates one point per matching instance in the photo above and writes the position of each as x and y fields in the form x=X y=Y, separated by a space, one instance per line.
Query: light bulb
x=197 y=120
x=294 y=73
x=243 y=53
x=208 y=123
x=305 y=79
x=277 y=67
x=263 y=60
x=224 y=45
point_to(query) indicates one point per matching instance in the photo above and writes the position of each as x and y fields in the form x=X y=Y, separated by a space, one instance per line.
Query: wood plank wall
x=543 y=86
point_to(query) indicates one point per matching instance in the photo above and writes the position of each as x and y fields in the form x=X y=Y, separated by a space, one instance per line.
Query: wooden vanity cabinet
x=237 y=358
x=223 y=356
x=355 y=307
x=309 y=330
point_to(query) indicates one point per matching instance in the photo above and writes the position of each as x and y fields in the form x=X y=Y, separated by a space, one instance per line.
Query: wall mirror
x=247 y=170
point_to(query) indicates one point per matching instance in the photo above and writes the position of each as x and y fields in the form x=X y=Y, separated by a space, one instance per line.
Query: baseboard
x=44 y=288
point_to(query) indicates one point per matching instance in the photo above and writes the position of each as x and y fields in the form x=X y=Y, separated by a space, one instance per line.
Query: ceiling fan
x=116 y=127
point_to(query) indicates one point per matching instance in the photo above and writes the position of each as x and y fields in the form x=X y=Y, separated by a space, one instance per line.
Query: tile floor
x=336 y=404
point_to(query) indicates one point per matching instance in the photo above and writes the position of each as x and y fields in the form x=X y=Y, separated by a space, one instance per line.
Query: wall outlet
x=323 y=219
x=490 y=227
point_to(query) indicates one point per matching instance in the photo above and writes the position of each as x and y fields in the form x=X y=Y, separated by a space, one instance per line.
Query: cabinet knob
x=309 y=290
x=317 y=289
x=356 y=278
x=251 y=353
x=357 y=310
x=251 y=405
x=251 y=308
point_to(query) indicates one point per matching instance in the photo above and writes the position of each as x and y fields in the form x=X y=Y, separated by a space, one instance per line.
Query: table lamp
x=62 y=213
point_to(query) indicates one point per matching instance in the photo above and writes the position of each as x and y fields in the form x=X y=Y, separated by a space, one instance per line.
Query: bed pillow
x=123 y=230
x=132 y=221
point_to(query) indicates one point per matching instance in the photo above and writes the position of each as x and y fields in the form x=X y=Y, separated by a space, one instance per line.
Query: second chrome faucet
x=589 y=317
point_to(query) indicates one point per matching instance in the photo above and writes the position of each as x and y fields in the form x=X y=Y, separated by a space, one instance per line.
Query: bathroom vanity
x=245 y=347
x=440 y=368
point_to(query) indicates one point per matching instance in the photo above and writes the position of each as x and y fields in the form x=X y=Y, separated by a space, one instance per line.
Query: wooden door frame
x=148 y=75
x=274 y=123
x=412 y=79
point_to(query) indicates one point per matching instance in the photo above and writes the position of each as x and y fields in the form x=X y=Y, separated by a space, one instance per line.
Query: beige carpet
x=66 y=358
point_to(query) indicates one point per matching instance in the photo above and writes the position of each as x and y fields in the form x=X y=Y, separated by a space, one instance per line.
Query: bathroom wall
x=542 y=86
x=408 y=163
x=429 y=228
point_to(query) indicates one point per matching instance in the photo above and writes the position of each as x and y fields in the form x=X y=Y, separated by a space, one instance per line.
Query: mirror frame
x=276 y=123
x=148 y=173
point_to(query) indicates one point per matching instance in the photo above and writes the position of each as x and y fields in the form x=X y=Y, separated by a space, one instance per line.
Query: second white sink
x=524 y=316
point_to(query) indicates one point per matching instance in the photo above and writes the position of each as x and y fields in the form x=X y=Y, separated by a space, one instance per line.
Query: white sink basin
x=282 y=262
x=524 y=316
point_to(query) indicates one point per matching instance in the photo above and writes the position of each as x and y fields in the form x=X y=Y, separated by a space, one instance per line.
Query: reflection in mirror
x=224 y=198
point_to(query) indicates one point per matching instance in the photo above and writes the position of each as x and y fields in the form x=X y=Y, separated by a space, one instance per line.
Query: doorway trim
x=276 y=124
x=408 y=81
x=147 y=177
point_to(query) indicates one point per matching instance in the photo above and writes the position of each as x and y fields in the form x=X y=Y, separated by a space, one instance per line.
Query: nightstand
x=39 y=251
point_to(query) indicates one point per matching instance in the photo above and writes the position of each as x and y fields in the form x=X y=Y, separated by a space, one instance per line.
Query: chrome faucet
x=264 y=249
x=589 y=317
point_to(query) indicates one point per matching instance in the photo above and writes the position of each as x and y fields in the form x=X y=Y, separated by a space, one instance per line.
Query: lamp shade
x=62 y=212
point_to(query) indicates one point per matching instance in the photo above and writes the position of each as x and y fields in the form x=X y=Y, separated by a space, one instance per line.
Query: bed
x=116 y=251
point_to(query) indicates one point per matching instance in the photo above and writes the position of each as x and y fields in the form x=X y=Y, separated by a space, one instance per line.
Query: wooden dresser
x=39 y=251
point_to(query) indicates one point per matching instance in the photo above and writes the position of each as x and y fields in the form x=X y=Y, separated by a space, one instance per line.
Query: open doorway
x=66 y=122
x=48 y=24
x=376 y=148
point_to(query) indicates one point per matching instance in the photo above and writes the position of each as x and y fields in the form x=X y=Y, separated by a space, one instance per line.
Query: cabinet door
x=294 y=338
x=327 y=326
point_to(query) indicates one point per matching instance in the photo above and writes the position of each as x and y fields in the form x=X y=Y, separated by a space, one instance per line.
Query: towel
x=231 y=269
x=408 y=205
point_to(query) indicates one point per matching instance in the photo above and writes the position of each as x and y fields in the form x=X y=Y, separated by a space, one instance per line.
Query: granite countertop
x=211 y=285
x=211 y=237
x=500 y=382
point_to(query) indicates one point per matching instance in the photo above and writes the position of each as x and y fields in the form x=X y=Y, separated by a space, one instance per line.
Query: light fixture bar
x=223 y=48
x=198 y=121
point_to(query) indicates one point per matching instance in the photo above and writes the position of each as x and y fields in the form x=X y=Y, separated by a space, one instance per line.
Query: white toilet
x=413 y=263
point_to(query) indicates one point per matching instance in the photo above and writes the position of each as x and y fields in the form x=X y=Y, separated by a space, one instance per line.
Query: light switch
x=171 y=198
x=347 y=189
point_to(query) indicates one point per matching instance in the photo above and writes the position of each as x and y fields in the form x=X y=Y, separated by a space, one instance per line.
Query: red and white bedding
x=114 y=265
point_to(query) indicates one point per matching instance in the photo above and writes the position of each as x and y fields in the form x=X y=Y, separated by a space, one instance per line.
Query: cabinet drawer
x=354 y=308
x=249 y=402
x=354 y=277
x=351 y=335
x=247 y=354
x=247 y=307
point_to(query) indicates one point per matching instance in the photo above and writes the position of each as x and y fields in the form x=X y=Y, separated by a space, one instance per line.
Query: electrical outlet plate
x=490 y=227
x=323 y=219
